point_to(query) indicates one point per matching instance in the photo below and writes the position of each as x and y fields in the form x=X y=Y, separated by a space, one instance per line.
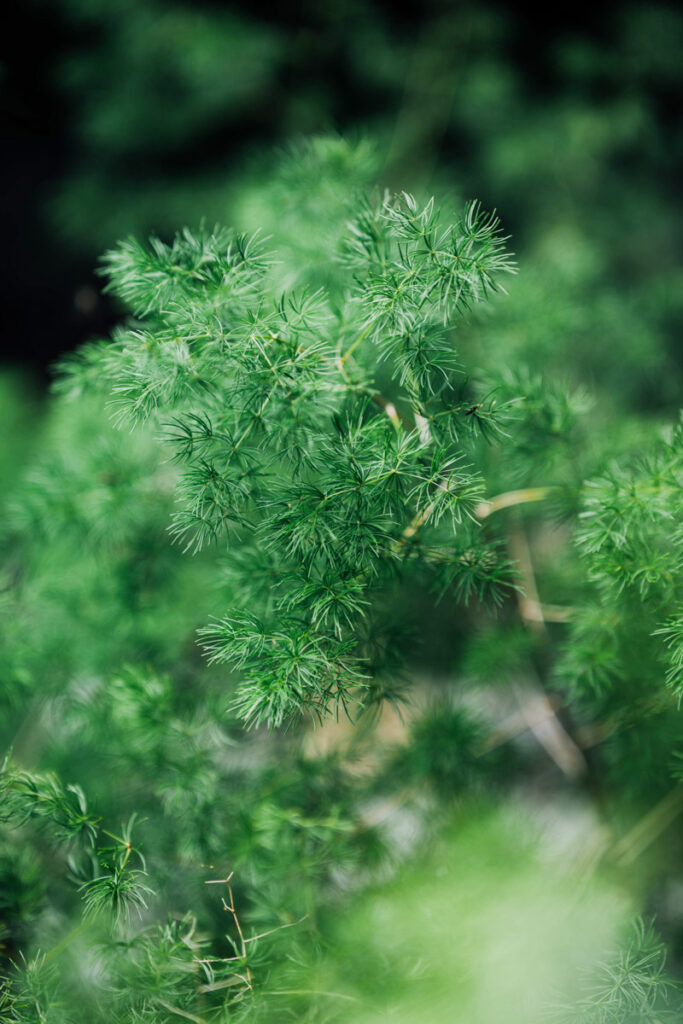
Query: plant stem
x=511 y=498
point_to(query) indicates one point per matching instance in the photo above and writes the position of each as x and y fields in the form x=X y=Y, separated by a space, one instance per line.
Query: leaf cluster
x=271 y=405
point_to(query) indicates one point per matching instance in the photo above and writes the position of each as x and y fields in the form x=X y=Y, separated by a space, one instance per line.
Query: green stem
x=510 y=498
x=351 y=350
x=56 y=950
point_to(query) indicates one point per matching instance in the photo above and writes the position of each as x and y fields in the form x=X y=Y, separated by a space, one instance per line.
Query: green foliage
x=379 y=493
x=27 y=797
x=272 y=408
x=630 y=987
x=631 y=528
x=626 y=639
x=447 y=750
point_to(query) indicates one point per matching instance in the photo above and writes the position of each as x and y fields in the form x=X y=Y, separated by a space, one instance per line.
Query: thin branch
x=230 y=907
x=349 y=352
x=397 y=418
x=549 y=732
x=531 y=715
x=552 y=736
x=650 y=827
x=180 y=1013
x=511 y=498
x=272 y=931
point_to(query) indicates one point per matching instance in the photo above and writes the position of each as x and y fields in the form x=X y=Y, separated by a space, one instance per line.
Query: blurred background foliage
x=139 y=116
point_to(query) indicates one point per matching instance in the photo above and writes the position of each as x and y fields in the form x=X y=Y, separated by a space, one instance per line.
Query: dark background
x=50 y=301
